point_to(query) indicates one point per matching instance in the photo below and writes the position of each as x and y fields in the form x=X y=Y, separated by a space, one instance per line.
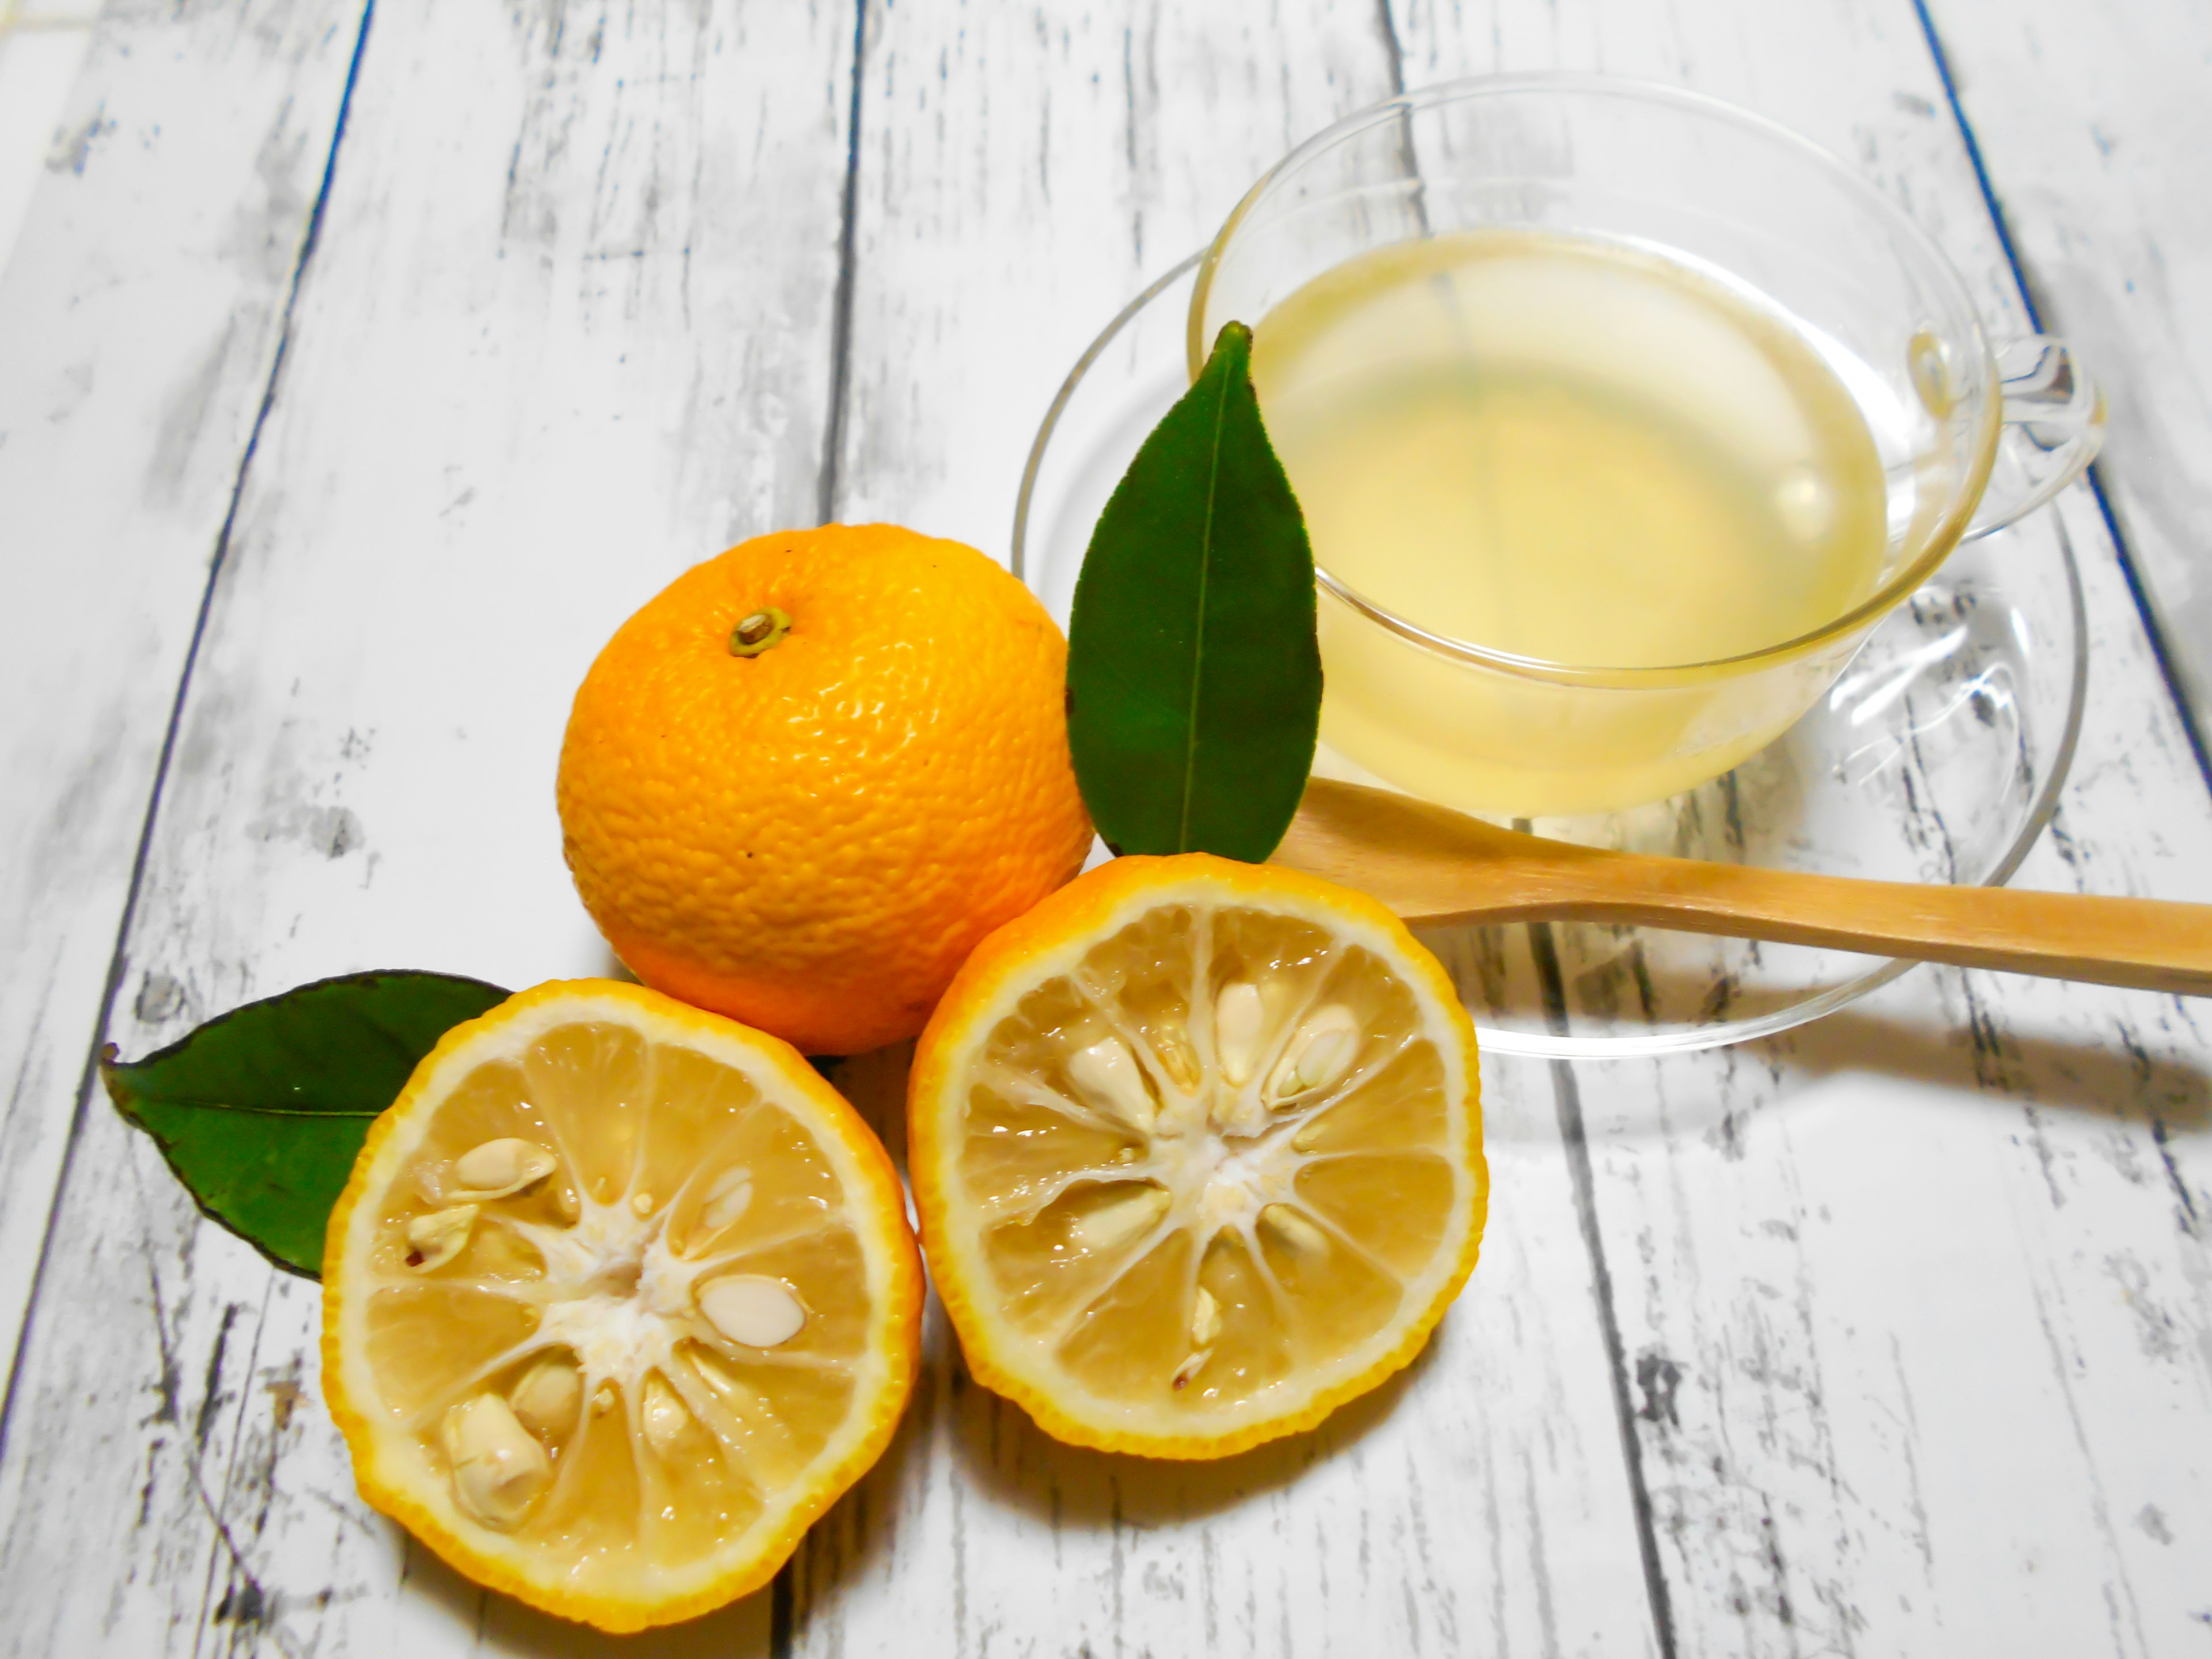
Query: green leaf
x=1194 y=677
x=262 y=1111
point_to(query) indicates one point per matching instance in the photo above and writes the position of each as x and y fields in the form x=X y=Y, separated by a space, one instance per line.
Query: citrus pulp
x=1197 y=1151
x=620 y=1297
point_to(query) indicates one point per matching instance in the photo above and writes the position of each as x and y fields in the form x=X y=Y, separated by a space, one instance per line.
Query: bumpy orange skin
x=934 y=1113
x=811 y=839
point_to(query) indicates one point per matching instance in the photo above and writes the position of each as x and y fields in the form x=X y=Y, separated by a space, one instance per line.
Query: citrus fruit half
x=620 y=1297
x=800 y=784
x=1197 y=1151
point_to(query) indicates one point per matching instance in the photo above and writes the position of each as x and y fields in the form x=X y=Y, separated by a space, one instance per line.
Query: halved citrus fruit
x=621 y=1296
x=1197 y=1151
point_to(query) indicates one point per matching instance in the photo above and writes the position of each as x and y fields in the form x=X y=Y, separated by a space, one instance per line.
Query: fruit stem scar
x=757 y=630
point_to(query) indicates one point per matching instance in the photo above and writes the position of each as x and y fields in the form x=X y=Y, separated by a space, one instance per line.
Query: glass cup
x=1706 y=185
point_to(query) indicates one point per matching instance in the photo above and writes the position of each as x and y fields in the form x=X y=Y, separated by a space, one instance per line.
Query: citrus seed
x=1237 y=1017
x=1294 y=1230
x=752 y=1310
x=435 y=1239
x=546 y=1400
x=729 y=1198
x=1107 y=1074
x=1121 y=1219
x=1204 y=1318
x=499 y=1168
x=1320 y=1051
x=666 y=1421
x=498 y=1468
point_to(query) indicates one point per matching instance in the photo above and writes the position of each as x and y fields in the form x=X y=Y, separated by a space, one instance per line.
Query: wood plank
x=1915 y=1298
x=2094 y=128
x=1020 y=178
x=569 y=330
x=336 y=788
x=39 y=67
x=140 y=319
x=1055 y=167
x=1474 y=1503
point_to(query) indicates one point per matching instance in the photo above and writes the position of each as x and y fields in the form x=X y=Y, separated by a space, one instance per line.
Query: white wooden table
x=362 y=364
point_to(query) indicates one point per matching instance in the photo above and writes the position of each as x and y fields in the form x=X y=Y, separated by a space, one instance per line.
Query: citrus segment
x=621 y=1296
x=1197 y=1151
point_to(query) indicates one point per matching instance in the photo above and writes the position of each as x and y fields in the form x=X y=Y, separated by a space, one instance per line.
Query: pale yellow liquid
x=1569 y=449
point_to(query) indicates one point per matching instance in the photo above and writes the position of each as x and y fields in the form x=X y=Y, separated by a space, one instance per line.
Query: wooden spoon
x=1433 y=865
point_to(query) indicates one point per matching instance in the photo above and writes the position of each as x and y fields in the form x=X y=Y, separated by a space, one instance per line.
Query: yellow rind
x=1004 y=956
x=884 y=1202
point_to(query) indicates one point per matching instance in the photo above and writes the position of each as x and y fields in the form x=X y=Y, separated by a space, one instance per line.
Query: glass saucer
x=1936 y=757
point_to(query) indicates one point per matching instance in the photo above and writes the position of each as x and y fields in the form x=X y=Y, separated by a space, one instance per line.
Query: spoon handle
x=2152 y=945
x=1432 y=864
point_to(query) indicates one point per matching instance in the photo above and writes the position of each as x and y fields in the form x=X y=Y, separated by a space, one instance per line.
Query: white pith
x=1222 y=1153
x=615 y=1295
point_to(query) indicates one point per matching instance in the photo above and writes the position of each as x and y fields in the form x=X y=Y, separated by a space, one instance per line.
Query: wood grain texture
x=568 y=330
x=1475 y=1503
x=1472 y=1505
x=1020 y=176
x=1891 y=1289
x=2097 y=134
x=1891 y=1335
x=140 y=320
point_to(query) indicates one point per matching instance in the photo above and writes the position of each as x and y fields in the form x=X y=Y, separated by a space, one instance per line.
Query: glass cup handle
x=2054 y=424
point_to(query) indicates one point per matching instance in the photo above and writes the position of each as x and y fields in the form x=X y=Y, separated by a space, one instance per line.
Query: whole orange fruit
x=804 y=781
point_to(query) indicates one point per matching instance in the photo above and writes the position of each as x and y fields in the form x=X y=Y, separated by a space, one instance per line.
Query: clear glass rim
x=1906 y=579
